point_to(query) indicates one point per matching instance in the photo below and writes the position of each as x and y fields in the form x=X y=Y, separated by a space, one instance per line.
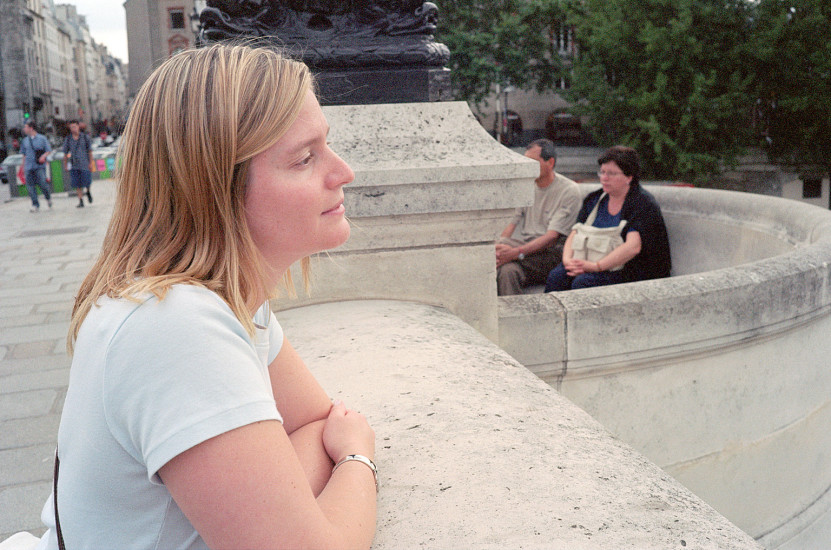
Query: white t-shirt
x=150 y=380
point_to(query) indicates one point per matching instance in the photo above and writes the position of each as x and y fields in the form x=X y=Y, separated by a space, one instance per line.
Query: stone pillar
x=432 y=190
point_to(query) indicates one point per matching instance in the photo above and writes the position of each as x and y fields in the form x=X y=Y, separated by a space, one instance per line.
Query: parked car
x=511 y=131
x=8 y=168
x=563 y=127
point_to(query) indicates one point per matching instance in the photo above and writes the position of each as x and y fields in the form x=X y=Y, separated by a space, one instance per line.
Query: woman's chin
x=338 y=237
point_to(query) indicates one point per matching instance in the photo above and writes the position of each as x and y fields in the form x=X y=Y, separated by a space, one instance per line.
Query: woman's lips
x=339 y=209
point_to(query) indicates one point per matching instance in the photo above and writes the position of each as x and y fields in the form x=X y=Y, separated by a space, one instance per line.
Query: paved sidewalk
x=43 y=258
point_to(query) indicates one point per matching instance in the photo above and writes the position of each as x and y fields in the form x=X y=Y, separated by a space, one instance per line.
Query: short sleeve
x=519 y=213
x=180 y=371
x=564 y=217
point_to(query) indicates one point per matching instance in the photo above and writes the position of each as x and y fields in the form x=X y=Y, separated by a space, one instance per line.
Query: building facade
x=53 y=71
x=157 y=29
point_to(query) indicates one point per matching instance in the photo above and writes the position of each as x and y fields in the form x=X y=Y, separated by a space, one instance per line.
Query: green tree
x=498 y=42
x=668 y=77
x=793 y=48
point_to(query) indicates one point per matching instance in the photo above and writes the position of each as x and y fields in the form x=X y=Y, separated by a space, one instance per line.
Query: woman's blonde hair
x=179 y=215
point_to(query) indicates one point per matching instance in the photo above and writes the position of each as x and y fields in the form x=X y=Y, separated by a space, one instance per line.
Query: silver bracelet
x=362 y=459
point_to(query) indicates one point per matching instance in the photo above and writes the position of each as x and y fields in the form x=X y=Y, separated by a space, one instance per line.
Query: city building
x=519 y=116
x=157 y=29
x=51 y=71
x=83 y=55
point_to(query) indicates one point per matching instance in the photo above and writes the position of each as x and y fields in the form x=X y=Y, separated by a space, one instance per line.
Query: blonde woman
x=190 y=421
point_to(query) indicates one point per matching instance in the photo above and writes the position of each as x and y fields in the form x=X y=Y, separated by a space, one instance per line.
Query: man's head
x=74 y=127
x=544 y=152
x=30 y=129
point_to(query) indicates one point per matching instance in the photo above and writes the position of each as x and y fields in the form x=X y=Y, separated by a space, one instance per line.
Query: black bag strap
x=61 y=545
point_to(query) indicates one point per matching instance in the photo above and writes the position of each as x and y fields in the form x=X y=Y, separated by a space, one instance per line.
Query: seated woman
x=644 y=253
x=189 y=420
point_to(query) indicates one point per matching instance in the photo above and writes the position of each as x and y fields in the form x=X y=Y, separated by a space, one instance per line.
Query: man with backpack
x=35 y=148
x=77 y=149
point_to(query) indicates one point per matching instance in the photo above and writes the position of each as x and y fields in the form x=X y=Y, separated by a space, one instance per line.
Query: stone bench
x=719 y=374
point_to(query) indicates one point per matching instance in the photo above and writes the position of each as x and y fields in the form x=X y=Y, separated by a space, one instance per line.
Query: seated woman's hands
x=576 y=267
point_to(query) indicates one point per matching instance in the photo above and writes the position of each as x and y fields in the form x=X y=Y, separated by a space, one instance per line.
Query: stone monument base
x=383 y=85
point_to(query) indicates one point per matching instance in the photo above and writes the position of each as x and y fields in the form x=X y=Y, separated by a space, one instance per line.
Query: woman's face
x=294 y=199
x=614 y=181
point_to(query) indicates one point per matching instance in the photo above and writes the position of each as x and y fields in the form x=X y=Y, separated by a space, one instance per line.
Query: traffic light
x=26 y=113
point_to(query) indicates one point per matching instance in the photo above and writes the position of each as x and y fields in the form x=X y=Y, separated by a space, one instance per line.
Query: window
x=176 y=44
x=811 y=188
x=562 y=38
x=177 y=18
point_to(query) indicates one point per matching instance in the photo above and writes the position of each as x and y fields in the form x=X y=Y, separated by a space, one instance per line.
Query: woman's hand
x=578 y=267
x=347 y=432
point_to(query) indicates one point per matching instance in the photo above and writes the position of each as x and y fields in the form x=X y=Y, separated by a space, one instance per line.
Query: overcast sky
x=107 y=23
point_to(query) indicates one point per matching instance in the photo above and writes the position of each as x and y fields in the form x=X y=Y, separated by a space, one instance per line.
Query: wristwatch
x=521 y=256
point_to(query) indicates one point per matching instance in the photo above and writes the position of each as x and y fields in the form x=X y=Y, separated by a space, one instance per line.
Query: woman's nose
x=341 y=173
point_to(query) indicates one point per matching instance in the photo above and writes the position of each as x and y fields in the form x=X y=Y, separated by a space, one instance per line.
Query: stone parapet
x=718 y=374
x=473 y=451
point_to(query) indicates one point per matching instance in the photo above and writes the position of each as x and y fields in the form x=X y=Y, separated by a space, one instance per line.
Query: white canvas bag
x=594 y=243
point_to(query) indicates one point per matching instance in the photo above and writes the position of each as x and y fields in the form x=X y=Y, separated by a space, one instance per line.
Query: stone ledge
x=475 y=452
x=761 y=290
x=415 y=158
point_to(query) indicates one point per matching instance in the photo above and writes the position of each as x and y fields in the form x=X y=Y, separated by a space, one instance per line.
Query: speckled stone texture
x=474 y=451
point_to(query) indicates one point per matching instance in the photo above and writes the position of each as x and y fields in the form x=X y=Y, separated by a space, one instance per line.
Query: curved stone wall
x=719 y=374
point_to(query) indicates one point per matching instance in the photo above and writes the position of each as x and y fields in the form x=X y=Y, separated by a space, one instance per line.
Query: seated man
x=532 y=244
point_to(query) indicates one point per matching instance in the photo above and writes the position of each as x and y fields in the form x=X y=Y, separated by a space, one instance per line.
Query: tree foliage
x=499 y=42
x=668 y=77
x=793 y=51
x=689 y=83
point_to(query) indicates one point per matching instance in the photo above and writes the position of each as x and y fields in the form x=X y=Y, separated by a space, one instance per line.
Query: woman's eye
x=306 y=160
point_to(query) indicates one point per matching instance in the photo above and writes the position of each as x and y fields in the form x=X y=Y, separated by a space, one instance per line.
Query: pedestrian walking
x=35 y=148
x=77 y=149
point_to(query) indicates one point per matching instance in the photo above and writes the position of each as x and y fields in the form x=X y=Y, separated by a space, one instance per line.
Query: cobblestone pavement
x=43 y=258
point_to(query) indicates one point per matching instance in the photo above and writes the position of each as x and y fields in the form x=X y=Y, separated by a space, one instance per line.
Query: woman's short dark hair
x=626 y=158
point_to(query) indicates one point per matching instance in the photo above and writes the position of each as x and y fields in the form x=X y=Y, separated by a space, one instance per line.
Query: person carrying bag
x=620 y=236
x=594 y=243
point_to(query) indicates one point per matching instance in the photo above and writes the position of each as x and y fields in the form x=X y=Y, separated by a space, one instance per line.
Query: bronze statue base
x=383 y=85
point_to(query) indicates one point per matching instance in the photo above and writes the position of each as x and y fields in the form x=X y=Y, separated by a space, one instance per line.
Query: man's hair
x=183 y=162
x=73 y=121
x=547 y=148
x=32 y=125
x=627 y=160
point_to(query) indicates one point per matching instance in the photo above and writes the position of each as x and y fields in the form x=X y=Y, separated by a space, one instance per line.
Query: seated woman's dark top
x=642 y=214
